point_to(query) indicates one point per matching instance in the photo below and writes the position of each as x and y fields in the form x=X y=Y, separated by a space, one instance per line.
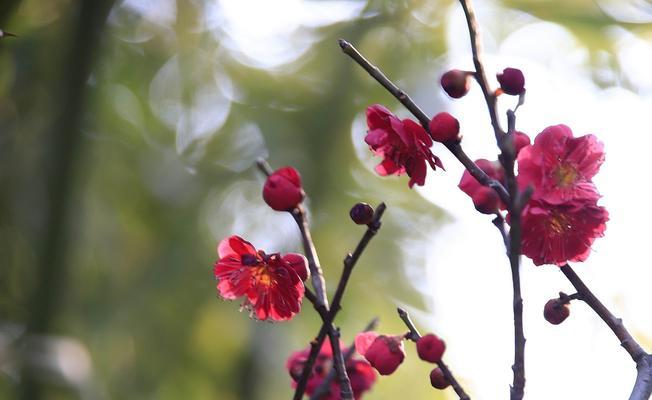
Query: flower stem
x=414 y=336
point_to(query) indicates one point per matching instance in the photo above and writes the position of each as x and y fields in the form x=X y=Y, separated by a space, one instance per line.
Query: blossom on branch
x=560 y=167
x=271 y=285
x=556 y=234
x=361 y=374
x=282 y=190
x=484 y=199
x=384 y=353
x=403 y=144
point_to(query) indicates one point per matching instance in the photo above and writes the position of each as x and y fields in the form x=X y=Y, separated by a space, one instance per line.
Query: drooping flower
x=560 y=167
x=384 y=353
x=282 y=190
x=557 y=234
x=556 y=311
x=484 y=199
x=361 y=374
x=272 y=288
x=403 y=145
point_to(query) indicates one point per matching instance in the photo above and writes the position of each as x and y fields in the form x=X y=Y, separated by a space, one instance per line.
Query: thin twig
x=349 y=263
x=401 y=96
x=499 y=223
x=480 y=75
x=643 y=385
x=414 y=336
x=324 y=386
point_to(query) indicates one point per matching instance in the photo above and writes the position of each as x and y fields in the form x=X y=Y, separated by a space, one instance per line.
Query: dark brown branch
x=324 y=386
x=349 y=263
x=507 y=157
x=643 y=385
x=480 y=75
x=615 y=324
x=319 y=301
x=414 y=335
x=401 y=96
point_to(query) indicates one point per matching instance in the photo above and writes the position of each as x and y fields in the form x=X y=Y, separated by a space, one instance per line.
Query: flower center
x=559 y=223
x=262 y=275
x=565 y=175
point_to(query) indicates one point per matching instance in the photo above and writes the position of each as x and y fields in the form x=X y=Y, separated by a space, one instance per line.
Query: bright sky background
x=467 y=272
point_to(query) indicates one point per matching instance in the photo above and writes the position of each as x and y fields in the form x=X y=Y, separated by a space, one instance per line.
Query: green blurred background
x=128 y=132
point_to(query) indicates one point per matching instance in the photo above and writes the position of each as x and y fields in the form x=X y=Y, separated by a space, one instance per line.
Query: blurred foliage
x=174 y=116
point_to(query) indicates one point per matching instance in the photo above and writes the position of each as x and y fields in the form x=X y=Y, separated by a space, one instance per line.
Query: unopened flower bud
x=520 y=140
x=437 y=379
x=298 y=263
x=444 y=128
x=362 y=213
x=455 y=83
x=511 y=81
x=384 y=353
x=486 y=200
x=430 y=348
x=555 y=311
x=282 y=190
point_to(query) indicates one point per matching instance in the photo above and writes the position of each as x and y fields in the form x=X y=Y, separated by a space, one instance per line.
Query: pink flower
x=360 y=373
x=484 y=199
x=283 y=190
x=384 y=353
x=556 y=234
x=403 y=145
x=560 y=167
x=520 y=140
x=272 y=288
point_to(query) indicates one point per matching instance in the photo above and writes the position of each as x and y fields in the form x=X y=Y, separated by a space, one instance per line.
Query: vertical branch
x=515 y=204
x=316 y=273
x=480 y=75
x=324 y=386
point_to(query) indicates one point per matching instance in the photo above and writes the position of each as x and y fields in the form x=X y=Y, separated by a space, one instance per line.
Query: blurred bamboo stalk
x=63 y=141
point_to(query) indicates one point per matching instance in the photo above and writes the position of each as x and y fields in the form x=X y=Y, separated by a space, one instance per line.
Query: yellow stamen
x=565 y=175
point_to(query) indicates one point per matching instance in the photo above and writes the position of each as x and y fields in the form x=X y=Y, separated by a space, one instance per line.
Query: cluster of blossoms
x=361 y=374
x=562 y=218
